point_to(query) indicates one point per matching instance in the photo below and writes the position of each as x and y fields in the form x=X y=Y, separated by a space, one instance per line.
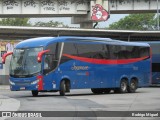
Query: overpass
x=21 y=33
x=81 y=11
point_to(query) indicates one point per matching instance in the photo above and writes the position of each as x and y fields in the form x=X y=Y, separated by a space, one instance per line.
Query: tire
x=132 y=86
x=34 y=93
x=122 y=88
x=62 y=88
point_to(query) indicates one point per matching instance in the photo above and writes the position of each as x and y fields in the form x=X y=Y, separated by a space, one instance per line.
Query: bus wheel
x=62 y=88
x=34 y=93
x=122 y=88
x=133 y=86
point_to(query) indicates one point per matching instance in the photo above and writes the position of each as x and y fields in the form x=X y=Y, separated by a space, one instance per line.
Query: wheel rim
x=123 y=86
x=64 y=87
x=133 y=85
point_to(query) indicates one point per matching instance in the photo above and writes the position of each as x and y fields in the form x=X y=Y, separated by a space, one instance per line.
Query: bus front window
x=24 y=62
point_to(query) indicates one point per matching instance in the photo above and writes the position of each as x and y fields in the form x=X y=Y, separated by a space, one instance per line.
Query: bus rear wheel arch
x=133 y=85
x=64 y=87
x=122 y=87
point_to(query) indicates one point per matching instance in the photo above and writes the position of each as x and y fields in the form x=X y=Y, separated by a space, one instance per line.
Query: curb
x=8 y=104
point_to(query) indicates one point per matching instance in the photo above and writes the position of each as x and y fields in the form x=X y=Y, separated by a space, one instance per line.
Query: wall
x=5 y=46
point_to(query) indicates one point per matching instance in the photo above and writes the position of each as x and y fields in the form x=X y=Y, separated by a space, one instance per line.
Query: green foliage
x=135 y=22
x=15 y=22
x=50 y=24
x=25 y=22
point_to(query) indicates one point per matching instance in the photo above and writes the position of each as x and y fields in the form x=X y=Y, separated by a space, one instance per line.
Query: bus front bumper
x=23 y=88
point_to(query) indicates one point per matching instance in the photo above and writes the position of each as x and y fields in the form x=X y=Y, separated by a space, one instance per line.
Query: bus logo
x=74 y=67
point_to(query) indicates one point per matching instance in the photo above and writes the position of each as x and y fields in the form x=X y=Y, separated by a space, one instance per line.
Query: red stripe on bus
x=104 y=61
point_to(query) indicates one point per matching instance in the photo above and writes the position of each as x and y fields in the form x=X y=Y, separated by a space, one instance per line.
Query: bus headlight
x=35 y=82
x=12 y=83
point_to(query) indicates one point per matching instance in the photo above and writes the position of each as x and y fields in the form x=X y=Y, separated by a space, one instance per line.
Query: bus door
x=51 y=60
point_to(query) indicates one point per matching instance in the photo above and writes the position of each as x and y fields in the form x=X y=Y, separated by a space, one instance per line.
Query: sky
x=67 y=20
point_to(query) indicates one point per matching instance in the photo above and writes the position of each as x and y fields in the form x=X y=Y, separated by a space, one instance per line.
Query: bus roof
x=44 y=41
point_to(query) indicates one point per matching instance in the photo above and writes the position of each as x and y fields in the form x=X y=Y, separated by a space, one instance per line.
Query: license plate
x=22 y=88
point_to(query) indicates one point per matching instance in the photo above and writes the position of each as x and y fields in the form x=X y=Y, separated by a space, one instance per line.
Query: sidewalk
x=4 y=87
x=7 y=103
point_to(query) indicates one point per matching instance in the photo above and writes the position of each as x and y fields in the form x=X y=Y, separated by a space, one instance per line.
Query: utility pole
x=157 y=15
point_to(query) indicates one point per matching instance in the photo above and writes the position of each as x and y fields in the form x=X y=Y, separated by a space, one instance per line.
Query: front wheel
x=62 y=88
x=34 y=93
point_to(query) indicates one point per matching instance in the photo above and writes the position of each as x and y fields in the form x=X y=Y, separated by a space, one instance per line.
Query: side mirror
x=40 y=54
x=5 y=56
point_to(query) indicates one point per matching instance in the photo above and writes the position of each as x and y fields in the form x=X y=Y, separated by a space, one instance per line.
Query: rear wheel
x=122 y=88
x=62 y=88
x=34 y=93
x=133 y=86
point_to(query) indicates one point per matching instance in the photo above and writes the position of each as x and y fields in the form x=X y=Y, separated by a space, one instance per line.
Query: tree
x=50 y=24
x=135 y=22
x=15 y=22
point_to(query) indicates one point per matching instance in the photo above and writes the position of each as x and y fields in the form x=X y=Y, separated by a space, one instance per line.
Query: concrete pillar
x=99 y=2
x=87 y=25
x=84 y=21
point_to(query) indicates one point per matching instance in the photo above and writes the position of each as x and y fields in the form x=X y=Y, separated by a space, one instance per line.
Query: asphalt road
x=145 y=99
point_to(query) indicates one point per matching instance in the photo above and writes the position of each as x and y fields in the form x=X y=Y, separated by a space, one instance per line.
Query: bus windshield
x=24 y=62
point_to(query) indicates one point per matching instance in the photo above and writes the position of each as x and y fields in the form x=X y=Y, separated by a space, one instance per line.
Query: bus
x=155 y=45
x=52 y=64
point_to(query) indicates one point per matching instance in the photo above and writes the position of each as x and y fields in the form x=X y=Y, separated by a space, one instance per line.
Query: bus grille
x=22 y=83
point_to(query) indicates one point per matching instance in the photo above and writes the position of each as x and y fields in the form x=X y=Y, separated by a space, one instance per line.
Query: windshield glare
x=24 y=62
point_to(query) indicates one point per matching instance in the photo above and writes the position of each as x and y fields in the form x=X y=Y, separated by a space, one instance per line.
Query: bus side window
x=51 y=58
x=113 y=51
x=135 y=52
x=97 y=51
x=47 y=62
x=107 y=52
x=144 y=51
x=70 y=49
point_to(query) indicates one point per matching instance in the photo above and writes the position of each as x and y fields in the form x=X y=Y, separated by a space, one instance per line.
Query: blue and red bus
x=155 y=45
x=51 y=64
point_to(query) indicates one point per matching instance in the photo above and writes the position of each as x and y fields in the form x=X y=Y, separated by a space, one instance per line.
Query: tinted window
x=155 y=67
x=70 y=49
x=113 y=50
x=127 y=52
x=51 y=58
x=97 y=51
x=144 y=51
